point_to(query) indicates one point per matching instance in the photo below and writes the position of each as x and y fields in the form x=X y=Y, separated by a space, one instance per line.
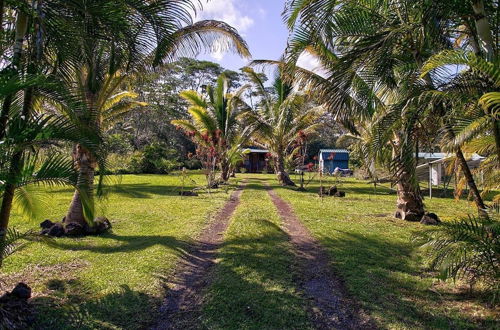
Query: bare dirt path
x=330 y=305
x=184 y=299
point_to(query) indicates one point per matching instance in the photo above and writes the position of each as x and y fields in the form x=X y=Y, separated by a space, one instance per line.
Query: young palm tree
x=281 y=116
x=128 y=48
x=214 y=121
x=476 y=106
x=103 y=99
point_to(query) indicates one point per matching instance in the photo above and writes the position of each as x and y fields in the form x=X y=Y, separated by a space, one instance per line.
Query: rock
x=57 y=230
x=430 y=219
x=22 y=291
x=46 y=224
x=74 y=229
x=102 y=224
x=187 y=193
x=17 y=313
x=411 y=216
x=339 y=194
x=328 y=191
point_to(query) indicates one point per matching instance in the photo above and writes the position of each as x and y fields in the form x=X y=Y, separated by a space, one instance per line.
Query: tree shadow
x=386 y=279
x=128 y=244
x=72 y=306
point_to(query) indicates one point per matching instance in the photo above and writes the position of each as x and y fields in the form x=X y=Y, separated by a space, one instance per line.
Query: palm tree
x=214 y=122
x=473 y=96
x=280 y=118
x=377 y=48
x=103 y=99
x=131 y=35
x=127 y=49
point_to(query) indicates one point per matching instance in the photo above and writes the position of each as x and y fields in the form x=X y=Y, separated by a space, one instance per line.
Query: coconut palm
x=122 y=42
x=280 y=119
x=214 y=121
x=475 y=105
x=373 y=52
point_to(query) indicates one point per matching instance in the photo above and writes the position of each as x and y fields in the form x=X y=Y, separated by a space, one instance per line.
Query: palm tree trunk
x=85 y=188
x=20 y=34
x=283 y=177
x=496 y=133
x=483 y=29
x=410 y=205
x=225 y=170
x=478 y=200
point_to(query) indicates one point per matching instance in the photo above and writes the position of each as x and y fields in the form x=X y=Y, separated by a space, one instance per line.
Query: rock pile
x=15 y=310
x=72 y=229
x=332 y=191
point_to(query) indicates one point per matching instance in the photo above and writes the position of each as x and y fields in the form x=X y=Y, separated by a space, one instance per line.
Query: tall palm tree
x=214 y=121
x=281 y=116
x=382 y=45
x=133 y=35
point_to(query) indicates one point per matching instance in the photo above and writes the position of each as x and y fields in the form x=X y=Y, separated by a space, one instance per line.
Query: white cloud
x=226 y=11
x=311 y=63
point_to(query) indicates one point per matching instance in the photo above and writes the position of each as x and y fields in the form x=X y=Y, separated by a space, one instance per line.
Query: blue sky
x=258 y=21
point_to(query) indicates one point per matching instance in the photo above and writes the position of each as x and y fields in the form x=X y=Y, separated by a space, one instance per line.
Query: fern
x=10 y=242
x=466 y=249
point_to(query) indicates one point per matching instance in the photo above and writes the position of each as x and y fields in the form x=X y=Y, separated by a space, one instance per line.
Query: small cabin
x=256 y=160
x=329 y=159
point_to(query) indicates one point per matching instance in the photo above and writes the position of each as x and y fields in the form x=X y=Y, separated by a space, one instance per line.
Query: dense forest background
x=145 y=140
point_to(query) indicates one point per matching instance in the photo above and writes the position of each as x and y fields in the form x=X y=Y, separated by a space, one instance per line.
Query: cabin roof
x=337 y=151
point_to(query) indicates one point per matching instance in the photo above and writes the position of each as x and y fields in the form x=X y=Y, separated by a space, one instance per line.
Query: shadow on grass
x=128 y=244
x=388 y=283
x=71 y=305
x=254 y=285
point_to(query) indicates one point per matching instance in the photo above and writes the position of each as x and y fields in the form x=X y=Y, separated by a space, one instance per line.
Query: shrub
x=119 y=144
x=467 y=248
x=154 y=159
x=243 y=170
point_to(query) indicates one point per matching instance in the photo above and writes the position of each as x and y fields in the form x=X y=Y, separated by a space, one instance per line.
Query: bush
x=467 y=249
x=155 y=159
x=192 y=164
x=119 y=144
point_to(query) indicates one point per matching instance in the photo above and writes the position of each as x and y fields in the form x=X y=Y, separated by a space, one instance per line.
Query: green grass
x=113 y=280
x=253 y=286
x=373 y=252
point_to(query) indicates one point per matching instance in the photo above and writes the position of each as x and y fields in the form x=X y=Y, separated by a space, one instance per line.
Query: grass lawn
x=253 y=284
x=373 y=252
x=116 y=280
x=113 y=280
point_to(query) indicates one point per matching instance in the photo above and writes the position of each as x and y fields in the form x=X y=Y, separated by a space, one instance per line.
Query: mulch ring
x=184 y=297
x=331 y=307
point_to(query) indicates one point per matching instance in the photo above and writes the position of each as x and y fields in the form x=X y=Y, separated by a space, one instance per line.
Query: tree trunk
x=85 y=188
x=496 y=133
x=225 y=171
x=478 y=200
x=483 y=29
x=21 y=29
x=410 y=205
x=283 y=177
